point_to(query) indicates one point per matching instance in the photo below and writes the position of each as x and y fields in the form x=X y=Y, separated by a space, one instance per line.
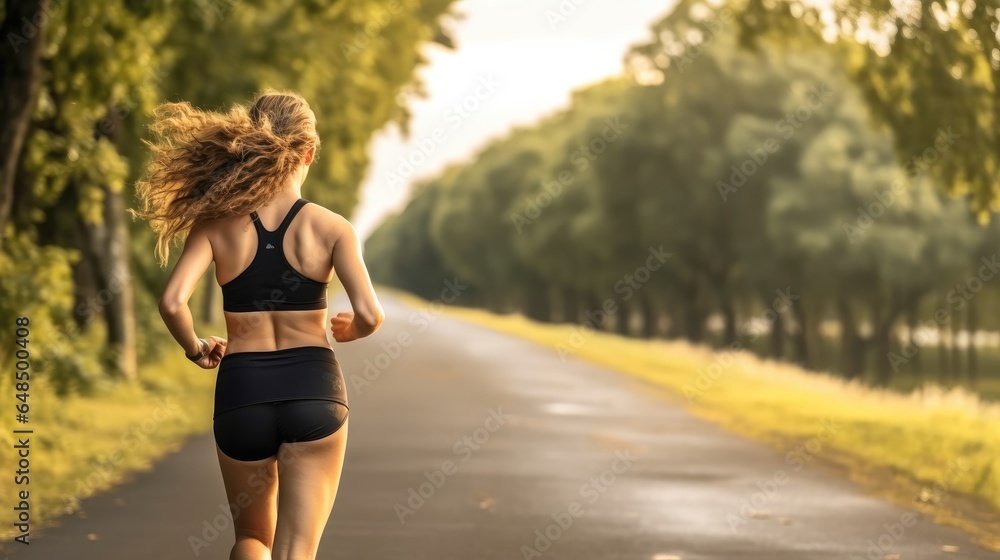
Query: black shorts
x=264 y=399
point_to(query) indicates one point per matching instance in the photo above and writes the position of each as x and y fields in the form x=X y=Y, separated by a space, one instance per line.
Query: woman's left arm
x=174 y=310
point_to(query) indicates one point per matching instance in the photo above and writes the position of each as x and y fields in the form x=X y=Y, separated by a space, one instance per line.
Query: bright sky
x=515 y=61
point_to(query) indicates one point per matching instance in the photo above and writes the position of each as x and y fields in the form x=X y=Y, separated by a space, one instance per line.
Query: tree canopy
x=782 y=203
x=90 y=72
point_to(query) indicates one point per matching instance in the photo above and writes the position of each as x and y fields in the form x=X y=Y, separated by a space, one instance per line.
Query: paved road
x=518 y=454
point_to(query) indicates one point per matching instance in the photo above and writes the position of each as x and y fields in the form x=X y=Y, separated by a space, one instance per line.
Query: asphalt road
x=470 y=444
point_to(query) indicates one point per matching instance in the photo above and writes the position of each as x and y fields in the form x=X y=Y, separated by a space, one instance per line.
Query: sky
x=515 y=61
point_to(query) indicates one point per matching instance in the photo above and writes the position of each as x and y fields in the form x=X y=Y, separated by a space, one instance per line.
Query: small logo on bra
x=269 y=246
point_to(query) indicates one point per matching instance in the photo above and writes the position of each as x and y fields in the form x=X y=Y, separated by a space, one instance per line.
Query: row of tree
x=79 y=79
x=782 y=206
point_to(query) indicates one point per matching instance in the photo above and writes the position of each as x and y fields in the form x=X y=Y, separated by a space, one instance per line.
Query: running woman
x=230 y=185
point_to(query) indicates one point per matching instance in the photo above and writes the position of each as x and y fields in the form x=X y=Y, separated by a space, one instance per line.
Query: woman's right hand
x=341 y=326
x=214 y=352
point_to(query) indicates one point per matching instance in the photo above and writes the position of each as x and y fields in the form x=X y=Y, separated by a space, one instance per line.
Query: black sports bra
x=270 y=283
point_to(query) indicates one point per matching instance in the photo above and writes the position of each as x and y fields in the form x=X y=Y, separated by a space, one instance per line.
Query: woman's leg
x=252 y=489
x=246 y=443
x=309 y=475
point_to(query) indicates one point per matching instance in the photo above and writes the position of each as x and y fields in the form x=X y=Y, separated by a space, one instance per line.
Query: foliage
x=352 y=60
x=107 y=64
x=923 y=67
x=84 y=444
x=37 y=284
x=759 y=171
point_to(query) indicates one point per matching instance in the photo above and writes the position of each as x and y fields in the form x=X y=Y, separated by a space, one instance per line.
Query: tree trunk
x=912 y=326
x=117 y=281
x=955 y=353
x=85 y=289
x=570 y=306
x=483 y=299
x=694 y=319
x=944 y=372
x=582 y=300
x=852 y=346
x=777 y=335
x=623 y=318
x=881 y=336
x=972 y=357
x=105 y=248
x=114 y=272
x=23 y=32
x=495 y=302
x=536 y=303
x=209 y=297
x=819 y=354
x=800 y=340
x=24 y=202
x=728 y=317
x=650 y=317
x=593 y=312
x=675 y=319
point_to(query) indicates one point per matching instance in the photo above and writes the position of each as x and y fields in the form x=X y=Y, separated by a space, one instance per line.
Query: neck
x=293 y=186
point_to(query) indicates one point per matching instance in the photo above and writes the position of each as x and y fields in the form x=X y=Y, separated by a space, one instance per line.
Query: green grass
x=908 y=377
x=943 y=445
x=84 y=444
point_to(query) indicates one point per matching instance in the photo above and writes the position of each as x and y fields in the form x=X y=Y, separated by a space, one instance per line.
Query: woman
x=231 y=185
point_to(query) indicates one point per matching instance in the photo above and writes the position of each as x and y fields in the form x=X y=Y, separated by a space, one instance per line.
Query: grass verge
x=85 y=444
x=932 y=450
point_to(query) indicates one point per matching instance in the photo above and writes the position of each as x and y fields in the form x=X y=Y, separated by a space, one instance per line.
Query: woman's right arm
x=353 y=274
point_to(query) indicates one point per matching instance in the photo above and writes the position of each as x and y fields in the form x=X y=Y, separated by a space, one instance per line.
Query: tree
x=758 y=170
x=473 y=228
x=926 y=69
x=97 y=68
x=401 y=252
x=24 y=26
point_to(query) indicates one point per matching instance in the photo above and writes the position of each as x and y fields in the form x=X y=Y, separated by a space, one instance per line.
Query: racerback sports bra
x=269 y=283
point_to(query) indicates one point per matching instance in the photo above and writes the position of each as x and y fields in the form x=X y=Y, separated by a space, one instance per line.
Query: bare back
x=308 y=247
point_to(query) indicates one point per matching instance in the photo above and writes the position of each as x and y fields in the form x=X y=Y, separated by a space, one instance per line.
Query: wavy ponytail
x=207 y=165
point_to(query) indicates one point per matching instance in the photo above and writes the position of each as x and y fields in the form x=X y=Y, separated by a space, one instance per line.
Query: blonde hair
x=207 y=165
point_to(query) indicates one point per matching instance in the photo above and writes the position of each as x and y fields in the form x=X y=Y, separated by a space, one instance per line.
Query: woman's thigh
x=252 y=491
x=309 y=474
x=247 y=448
